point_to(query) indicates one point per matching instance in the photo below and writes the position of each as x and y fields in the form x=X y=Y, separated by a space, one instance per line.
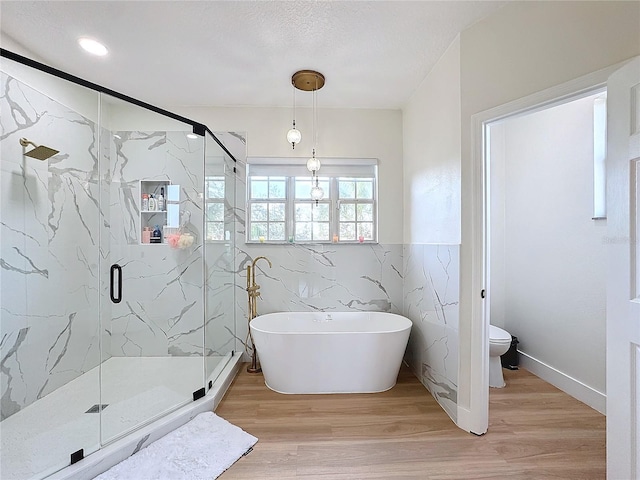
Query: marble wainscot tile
x=322 y=278
x=431 y=302
x=326 y=277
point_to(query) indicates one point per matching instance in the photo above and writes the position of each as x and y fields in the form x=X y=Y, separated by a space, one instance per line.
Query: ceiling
x=374 y=54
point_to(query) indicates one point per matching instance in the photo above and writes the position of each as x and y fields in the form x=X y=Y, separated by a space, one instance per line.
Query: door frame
x=474 y=375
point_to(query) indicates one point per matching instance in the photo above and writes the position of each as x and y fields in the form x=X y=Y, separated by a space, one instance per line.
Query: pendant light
x=293 y=135
x=311 y=81
x=313 y=164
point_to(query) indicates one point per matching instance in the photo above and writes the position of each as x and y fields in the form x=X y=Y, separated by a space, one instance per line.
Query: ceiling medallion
x=308 y=80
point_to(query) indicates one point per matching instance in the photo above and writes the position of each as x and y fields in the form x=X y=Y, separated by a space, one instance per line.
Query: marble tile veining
x=431 y=300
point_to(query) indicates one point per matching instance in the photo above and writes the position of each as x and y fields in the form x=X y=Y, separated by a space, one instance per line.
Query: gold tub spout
x=253 y=292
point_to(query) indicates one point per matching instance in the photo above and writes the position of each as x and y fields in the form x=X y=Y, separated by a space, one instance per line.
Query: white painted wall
x=349 y=133
x=547 y=283
x=431 y=144
x=523 y=48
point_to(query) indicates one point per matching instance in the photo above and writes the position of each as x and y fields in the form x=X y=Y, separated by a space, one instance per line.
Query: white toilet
x=499 y=343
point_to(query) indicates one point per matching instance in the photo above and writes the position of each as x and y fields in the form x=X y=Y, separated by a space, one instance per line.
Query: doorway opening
x=544 y=224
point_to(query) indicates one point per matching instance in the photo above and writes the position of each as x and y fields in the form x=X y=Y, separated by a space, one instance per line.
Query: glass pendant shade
x=313 y=164
x=317 y=193
x=294 y=136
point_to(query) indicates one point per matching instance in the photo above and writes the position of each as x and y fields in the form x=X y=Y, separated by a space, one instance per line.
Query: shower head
x=41 y=152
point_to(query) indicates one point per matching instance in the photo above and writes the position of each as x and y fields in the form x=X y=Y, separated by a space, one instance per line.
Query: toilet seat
x=498 y=335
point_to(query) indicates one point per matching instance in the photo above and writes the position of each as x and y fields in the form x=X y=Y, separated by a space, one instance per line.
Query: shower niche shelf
x=166 y=218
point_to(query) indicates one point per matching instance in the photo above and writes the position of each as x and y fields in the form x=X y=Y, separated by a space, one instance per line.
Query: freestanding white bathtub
x=336 y=352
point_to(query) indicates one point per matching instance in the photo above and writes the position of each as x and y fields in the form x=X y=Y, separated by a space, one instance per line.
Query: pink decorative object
x=173 y=240
x=361 y=239
x=180 y=240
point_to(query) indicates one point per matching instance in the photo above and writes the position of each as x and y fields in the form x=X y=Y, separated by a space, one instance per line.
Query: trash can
x=510 y=359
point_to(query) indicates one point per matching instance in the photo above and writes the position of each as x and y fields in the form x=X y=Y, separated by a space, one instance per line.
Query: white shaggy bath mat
x=199 y=450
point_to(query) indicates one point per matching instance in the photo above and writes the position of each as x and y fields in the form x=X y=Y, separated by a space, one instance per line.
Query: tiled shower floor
x=38 y=440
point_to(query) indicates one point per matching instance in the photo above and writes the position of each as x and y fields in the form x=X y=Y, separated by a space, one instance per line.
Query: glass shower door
x=219 y=228
x=153 y=348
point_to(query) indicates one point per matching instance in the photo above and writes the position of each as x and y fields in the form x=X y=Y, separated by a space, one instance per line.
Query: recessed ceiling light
x=192 y=135
x=93 y=46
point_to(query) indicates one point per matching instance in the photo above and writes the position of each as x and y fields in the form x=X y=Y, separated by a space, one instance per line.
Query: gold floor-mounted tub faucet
x=253 y=292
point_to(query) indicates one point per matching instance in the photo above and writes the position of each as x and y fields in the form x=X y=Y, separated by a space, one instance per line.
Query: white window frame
x=355 y=202
x=331 y=169
x=291 y=208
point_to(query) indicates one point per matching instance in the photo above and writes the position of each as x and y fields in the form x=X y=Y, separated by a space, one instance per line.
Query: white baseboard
x=578 y=390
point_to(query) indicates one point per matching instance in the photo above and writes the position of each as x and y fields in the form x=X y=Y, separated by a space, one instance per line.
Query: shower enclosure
x=103 y=330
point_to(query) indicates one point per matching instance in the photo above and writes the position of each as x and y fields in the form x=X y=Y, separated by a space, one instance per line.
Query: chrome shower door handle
x=115 y=270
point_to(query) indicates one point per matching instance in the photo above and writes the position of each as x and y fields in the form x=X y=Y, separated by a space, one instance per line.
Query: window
x=214 y=204
x=311 y=222
x=267 y=209
x=280 y=209
x=355 y=203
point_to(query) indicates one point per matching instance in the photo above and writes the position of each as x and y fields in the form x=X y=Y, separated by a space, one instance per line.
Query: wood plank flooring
x=535 y=432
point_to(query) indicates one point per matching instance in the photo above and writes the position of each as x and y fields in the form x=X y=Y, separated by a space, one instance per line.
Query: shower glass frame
x=219 y=257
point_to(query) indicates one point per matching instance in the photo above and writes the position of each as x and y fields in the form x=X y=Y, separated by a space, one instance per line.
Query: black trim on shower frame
x=198 y=128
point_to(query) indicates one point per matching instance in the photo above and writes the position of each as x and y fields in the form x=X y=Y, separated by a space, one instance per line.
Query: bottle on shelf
x=156 y=235
x=153 y=203
x=145 y=201
x=146 y=235
x=161 y=199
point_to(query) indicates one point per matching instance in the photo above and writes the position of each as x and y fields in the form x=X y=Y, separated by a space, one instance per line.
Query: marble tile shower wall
x=162 y=306
x=431 y=298
x=49 y=239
